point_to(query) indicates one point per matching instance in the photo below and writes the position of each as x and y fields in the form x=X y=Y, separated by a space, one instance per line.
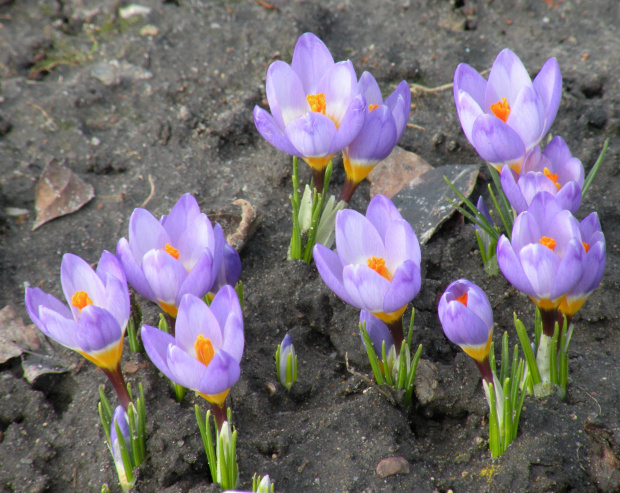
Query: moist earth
x=149 y=107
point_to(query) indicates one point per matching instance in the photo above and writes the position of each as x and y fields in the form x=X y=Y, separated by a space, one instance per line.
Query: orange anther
x=501 y=109
x=553 y=177
x=204 y=349
x=80 y=299
x=463 y=298
x=586 y=246
x=378 y=265
x=316 y=102
x=548 y=242
x=169 y=249
x=372 y=107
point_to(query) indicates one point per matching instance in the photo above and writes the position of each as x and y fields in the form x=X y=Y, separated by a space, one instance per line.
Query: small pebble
x=391 y=466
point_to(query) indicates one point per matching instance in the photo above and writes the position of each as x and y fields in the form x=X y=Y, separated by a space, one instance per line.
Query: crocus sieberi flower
x=544 y=258
x=230 y=270
x=377 y=267
x=125 y=477
x=507 y=116
x=383 y=127
x=94 y=323
x=467 y=320
x=286 y=362
x=593 y=266
x=315 y=107
x=554 y=170
x=179 y=254
x=205 y=353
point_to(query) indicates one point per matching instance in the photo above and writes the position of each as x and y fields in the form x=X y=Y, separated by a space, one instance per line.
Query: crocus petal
x=399 y=103
x=311 y=60
x=356 y=238
x=97 y=330
x=350 y=125
x=377 y=331
x=156 y=343
x=511 y=268
x=132 y=269
x=527 y=117
x=194 y=318
x=117 y=302
x=193 y=240
x=198 y=280
x=404 y=287
x=469 y=111
x=55 y=326
x=109 y=264
x=37 y=298
x=270 y=131
x=233 y=337
x=368 y=87
x=185 y=369
x=182 y=216
x=569 y=270
x=145 y=233
x=339 y=85
x=381 y=213
x=401 y=243
x=311 y=134
x=569 y=196
x=462 y=326
x=221 y=374
x=225 y=302
x=469 y=81
x=548 y=84
x=330 y=268
x=495 y=141
x=375 y=140
x=285 y=94
x=165 y=275
x=366 y=288
x=508 y=76
x=512 y=190
x=540 y=265
x=76 y=275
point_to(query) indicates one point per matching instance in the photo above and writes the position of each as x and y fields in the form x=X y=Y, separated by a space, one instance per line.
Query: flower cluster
x=318 y=108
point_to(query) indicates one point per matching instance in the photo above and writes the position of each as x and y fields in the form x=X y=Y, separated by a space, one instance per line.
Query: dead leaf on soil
x=238 y=229
x=395 y=172
x=59 y=192
x=423 y=201
x=15 y=337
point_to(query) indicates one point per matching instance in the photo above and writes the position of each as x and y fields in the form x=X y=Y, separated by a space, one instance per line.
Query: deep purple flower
x=378 y=333
x=230 y=270
x=554 y=170
x=593 y=265
x=315 y=106
x=383 y=127
x=179 y=254
x=544 y=258
x=507 y=116
x=205 y=353
x=467 y=319
x=95 y=321
x=377 y=267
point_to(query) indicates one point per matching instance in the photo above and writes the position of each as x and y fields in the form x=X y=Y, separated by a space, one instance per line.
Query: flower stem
x=172 y=322
x=396 y=329
x=347 y=190
x=219 y=413
x=118 y=382
x=549 y=318
x=485 y=370
x=318 y=178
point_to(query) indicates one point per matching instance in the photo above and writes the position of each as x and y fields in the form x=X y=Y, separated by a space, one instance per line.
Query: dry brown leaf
x=58 y=192
x=396 y=172
x=15 y=337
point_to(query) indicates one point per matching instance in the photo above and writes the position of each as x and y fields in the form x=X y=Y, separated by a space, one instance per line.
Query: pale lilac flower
x=507 y=116
x=377 y=267
x=205 y=353
x=120 y=417
x=544 y=258
x=315 y=107
x=378 y=333
x=179 y=254
x=383 y=127
x=554 y=170
x=94 y=323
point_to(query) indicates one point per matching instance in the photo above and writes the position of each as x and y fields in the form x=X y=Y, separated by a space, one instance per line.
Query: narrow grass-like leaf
x=527 y=351
x=372 y=356
x=590 y=178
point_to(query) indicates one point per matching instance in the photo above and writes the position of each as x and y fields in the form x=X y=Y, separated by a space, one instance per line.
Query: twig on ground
x=148 y=199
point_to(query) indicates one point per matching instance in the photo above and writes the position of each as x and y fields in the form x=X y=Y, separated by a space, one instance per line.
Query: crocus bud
x=305 y=210
x=467 y=320
x=121 y=448
x=227 y=471
x=263 y=486
x=286 y=362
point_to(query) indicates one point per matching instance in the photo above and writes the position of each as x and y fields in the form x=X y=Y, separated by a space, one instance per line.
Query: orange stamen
x=501 y=109
x=81 y=299
x=586 y=246
x=316 y=102
x=378 y=265
x=463 y=298
x=204 y=349
x=553 y=177
x=548 y=242
x=169 y=249
x=372 y=107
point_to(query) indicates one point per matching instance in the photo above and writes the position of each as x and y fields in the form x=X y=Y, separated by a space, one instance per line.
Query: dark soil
x=183 y=121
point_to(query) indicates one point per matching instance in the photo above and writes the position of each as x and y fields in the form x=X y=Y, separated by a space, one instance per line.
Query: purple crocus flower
x=554 y=170
x=286 y=348
x=95 y=321
x=383 y=127
x=377 y=267
x=205 y=353
x=507 y=116
x=230 y=270
x=467 y=320
x=544 y=258
x=378 y=333
x=120 y=417
x=315 y=107
x=484 y=236
x=179 y=254
x=593 y=266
